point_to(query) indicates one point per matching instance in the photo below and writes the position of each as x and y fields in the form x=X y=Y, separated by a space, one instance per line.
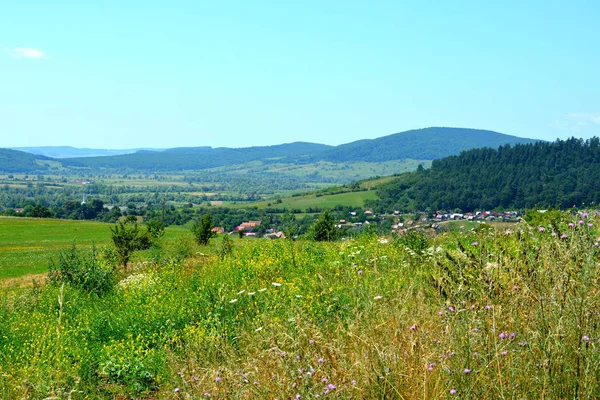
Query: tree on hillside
x=202 y=229
x=323 y=228
x=127 y=238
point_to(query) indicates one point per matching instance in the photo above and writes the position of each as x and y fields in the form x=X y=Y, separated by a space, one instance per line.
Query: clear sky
x=128 y=73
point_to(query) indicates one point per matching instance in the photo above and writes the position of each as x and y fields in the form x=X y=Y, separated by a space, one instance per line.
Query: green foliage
x=82 y=270
x=226 y=247
x=323 y=228
x=560 y=174
x=127 y=238
x=202 y=229
x=156 y=228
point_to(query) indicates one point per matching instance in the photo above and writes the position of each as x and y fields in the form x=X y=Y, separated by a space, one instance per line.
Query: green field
x=27 y=244
x=475 y=314
x=350 y=199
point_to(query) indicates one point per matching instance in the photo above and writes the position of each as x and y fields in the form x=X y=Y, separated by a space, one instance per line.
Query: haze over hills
x=385 y=155
x=69 y=151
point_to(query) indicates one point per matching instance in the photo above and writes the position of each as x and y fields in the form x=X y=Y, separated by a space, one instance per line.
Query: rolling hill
x=558 y=174
x=406 y=148
x=421 y=144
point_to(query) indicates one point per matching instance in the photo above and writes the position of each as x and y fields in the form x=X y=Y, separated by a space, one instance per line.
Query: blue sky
x=126 y=74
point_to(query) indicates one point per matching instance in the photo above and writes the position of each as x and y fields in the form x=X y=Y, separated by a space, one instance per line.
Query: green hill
x=420 y=144
x=19 y=161
x=560 y=174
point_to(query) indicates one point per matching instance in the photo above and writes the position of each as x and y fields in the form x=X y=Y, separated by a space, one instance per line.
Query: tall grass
x=483 y=314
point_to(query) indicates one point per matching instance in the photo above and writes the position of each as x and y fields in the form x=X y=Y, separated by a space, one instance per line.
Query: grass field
x=27 y=244
x=482 y=314
x=351 y=199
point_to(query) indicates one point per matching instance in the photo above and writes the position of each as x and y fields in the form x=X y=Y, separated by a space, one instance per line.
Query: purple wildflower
x=451 y=309
x=585 y=338
x=571 y=225
x=504 y=353
x=320 y=361
x=503 y=335
x=331 y=386
x=466 y=370
x=580 y=222
x=176 y=390
x=360 y=271
x=475 y=243
x=431 y=366
x=541 y=229
x=453 y=391
x=218 y=379
x=585 y=215
x=563 y=236
x=413 y=327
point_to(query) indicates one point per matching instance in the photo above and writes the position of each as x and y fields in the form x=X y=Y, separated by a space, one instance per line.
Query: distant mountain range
x=69 y=152
x=421 y=144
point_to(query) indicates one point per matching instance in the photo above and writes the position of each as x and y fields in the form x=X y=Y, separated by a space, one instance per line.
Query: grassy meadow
x=351 y=199
x=27 y=244
x=486 y=313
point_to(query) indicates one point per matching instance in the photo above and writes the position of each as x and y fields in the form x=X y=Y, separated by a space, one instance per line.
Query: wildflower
x=523 y=344
x=440 y=313
x=585 y=338
x=580 y=222
x=383 y=240
x=451 y=309
x=595 y=244
x=431 y=366
x=206 y=394
x=475 y=243
x=377 y=297
x=453 y=391
x=310 y=341
x=353 y=382
x=563 y=236
x=502 y=335
x=320 y=360
x=413 y=327
x=195 y=378
x=488 y=307
x=475 y=329
x=571 y=225
x=324 y=380
x=504 y=353
x=360 y=271
x=233 y=300
x=297 y=396
x=466 y=370
x=218 y=379
x=276 y=284
x=541 y=229
x=176 y=390
x=512 y=335
x=475 y=354
x=585 y=215
x=331 y=386
x=590 y=224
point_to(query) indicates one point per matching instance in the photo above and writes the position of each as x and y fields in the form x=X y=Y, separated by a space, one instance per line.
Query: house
x=342 y=221
x=368 y=212
x=218 y=230
x=249 y=226
x=353 y=213
x=19 y=210
x=275 y=235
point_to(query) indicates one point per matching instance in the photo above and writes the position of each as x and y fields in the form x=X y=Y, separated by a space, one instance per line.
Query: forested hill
x=419 y=144
x=196 y=158
x=561 y=174
x=19 y=161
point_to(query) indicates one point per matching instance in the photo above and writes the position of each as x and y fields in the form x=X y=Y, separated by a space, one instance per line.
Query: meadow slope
x=482 y=314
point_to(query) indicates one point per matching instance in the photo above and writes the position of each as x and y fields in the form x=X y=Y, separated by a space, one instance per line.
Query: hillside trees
x=128 y=237
x=202 y=229
x=560 y=174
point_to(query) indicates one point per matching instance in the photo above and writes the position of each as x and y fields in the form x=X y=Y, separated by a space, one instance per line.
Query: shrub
x=81 y=270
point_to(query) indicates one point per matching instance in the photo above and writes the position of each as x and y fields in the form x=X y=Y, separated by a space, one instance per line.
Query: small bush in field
x=82 y=270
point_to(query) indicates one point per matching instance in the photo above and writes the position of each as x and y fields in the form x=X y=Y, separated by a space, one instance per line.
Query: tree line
x=560 y=174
